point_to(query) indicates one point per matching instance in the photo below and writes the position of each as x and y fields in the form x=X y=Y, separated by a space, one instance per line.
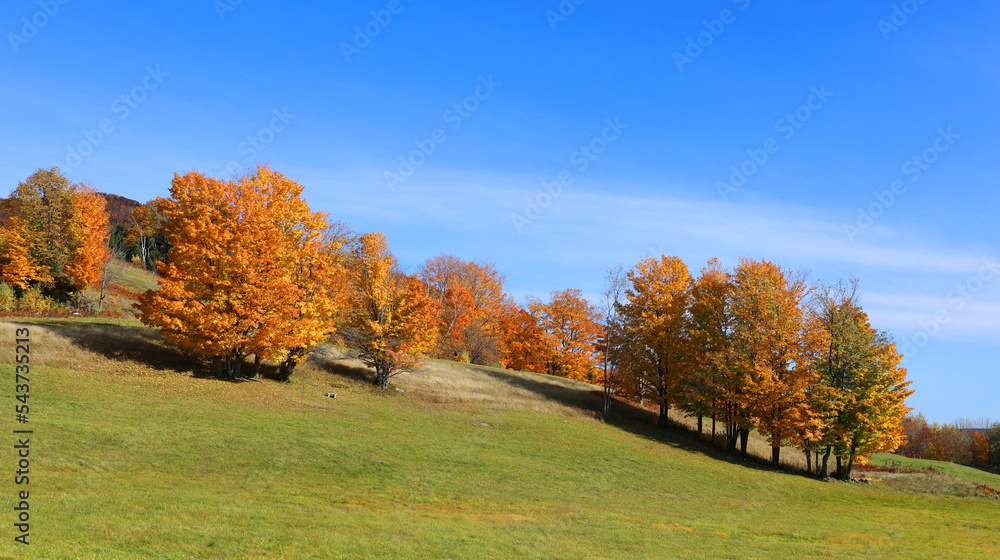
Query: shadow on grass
x=135 y=344
x=630 y=418
x=569 y=396
x=639 y=422
x=331 y=362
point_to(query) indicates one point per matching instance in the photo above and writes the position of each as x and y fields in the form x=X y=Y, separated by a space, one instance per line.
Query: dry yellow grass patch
x=452 y=383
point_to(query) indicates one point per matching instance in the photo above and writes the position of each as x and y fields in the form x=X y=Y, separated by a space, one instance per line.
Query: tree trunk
x=850 y=458
x=285 y=370
x=809 y=468
x=713 y=428
x=256 y=366
x=776 y=455
x=607 y=394
x=217 y=365
x=744 y=436
x=732 y=433
x=664 y=415
x=826 y=460
x=840 y=469
x=295 y=355
x=699 y=425
x=382 y=375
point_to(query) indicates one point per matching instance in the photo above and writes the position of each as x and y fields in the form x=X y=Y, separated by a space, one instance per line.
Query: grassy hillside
x=135 y=458
x=976 y=476
x=128 y=281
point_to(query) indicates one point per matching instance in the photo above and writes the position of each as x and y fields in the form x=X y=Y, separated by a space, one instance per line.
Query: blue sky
x=865 y=131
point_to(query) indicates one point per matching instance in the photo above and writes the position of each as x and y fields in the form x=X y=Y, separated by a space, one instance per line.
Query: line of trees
x=759 y=348
x=52 y=237
x=248 y=270
x=969 y=442
x=58 y=238
x=253 y=271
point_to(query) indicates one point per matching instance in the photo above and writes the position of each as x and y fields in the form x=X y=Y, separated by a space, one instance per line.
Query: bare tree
x=612 y=340
x=111 y=267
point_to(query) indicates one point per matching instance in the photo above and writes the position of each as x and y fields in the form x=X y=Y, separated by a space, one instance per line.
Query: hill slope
x=135 y=458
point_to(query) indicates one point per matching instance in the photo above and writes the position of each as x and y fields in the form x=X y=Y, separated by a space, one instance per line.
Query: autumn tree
x=917 y=434
x=527 y=345
x=16 y=265
x=43 y=204
x=876 y=404
x=88 y=246
x=711 y=388
x=391 y=320
x=572 y=325
x=864 y=389
x=247 y=273
x=773 y=346
x=64 y=227
x=471 y=304
x=655 y=321
x=309 y=260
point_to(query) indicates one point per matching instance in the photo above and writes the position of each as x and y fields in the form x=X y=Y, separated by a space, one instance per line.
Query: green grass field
x=133 y=457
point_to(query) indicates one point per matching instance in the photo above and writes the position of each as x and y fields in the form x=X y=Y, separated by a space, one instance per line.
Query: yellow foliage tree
x=655 y=321
x=711 y=387
x=861 y=396
x=774 y=347
x=392 y=318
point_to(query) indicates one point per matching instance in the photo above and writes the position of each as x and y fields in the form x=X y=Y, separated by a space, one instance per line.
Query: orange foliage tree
x=248 y=273
x=470 y=307
x=16 y=265
x=571 y=324
x=392 y=319
x=89 y=229
x=527 y=345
